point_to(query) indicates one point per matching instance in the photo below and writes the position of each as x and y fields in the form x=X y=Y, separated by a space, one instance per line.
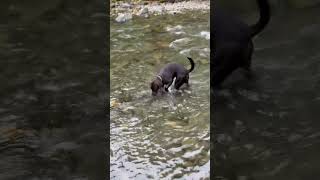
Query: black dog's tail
x=264 y=17
x=192 y=64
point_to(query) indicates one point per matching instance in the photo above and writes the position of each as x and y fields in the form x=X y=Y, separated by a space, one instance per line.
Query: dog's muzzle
x=154 y=93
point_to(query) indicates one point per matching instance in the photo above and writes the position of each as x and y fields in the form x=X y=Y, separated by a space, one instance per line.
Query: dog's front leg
x=168 y=86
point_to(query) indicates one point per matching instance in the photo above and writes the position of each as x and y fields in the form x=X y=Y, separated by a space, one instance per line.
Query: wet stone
x=123 y=17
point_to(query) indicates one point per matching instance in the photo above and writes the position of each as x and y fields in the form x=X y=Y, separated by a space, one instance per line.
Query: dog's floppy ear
x=152 y=86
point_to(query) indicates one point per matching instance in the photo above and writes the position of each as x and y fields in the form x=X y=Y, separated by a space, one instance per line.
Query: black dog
x=232 y=42
x=168 y=73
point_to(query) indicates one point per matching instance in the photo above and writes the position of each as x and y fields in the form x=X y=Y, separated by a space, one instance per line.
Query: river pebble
x=123 y=17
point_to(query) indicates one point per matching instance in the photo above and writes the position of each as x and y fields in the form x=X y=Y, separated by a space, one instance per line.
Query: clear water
x=165 y=137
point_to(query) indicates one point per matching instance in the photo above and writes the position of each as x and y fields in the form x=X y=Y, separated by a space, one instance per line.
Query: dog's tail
x=264 y=17
x=192 y=64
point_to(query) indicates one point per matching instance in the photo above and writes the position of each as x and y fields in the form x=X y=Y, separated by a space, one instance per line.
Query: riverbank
x=123 y=11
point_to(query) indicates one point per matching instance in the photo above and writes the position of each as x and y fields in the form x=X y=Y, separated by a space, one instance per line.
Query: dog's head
x=155 y=86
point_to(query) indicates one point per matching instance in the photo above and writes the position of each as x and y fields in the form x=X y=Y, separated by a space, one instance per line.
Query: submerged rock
x=205 y=34
x=174 y=29
x=179 y=42
x=123 y=17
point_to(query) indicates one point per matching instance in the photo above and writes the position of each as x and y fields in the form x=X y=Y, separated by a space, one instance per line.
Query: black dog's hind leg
x=186 y=80
x=246 y=61
x=223 y=64
x=179 y=82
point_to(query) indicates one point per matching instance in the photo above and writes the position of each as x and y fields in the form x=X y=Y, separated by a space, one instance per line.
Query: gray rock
x=160 y=10
x=144 y=12
x=126 y=5
x=123 y=17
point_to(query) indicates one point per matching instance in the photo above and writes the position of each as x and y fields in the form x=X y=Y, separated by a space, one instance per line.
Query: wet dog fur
x=232 y=43
x=167 y=74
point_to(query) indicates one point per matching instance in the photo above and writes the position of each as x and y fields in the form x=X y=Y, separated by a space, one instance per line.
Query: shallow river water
x=165 y=137
x=53 y=90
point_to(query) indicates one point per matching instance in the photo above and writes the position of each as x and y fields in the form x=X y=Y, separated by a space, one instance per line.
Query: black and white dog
x=167 y=74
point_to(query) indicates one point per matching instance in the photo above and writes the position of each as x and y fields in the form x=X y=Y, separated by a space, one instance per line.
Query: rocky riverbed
x=124 y=11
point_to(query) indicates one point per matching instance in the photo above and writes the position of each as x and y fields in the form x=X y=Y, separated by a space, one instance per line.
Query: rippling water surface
x=268 y=127
x=52 y=76
x=165 y=137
